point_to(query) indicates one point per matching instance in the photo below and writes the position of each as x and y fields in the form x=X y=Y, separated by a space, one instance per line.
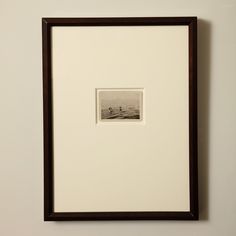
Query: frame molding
x=49 y=214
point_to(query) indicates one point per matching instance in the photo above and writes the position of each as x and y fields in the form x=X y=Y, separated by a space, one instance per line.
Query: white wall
x=21 y=146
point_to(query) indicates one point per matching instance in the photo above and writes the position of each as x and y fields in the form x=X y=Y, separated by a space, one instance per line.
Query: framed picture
x=120 y=118
x=119 y=105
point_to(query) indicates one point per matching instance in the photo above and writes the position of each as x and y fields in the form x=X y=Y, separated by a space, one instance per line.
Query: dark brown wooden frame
x=49 y=214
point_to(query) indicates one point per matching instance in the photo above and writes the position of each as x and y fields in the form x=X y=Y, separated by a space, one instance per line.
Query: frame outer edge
x=49 y=214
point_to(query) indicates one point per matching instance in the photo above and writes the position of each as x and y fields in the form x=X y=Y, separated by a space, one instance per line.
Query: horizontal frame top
x=118 y=21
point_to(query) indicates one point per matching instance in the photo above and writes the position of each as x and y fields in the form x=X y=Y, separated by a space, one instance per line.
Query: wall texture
x=21 y=143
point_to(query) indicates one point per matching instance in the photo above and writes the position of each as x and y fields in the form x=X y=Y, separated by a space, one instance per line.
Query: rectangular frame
x=49 y=158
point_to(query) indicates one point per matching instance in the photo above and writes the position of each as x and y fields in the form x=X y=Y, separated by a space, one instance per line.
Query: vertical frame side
x=47 y=120
x=193 y=146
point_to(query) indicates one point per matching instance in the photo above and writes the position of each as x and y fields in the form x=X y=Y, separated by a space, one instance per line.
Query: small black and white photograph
x=120 y=104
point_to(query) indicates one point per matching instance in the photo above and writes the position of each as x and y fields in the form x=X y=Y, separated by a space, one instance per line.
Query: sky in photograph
x=119 y=98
